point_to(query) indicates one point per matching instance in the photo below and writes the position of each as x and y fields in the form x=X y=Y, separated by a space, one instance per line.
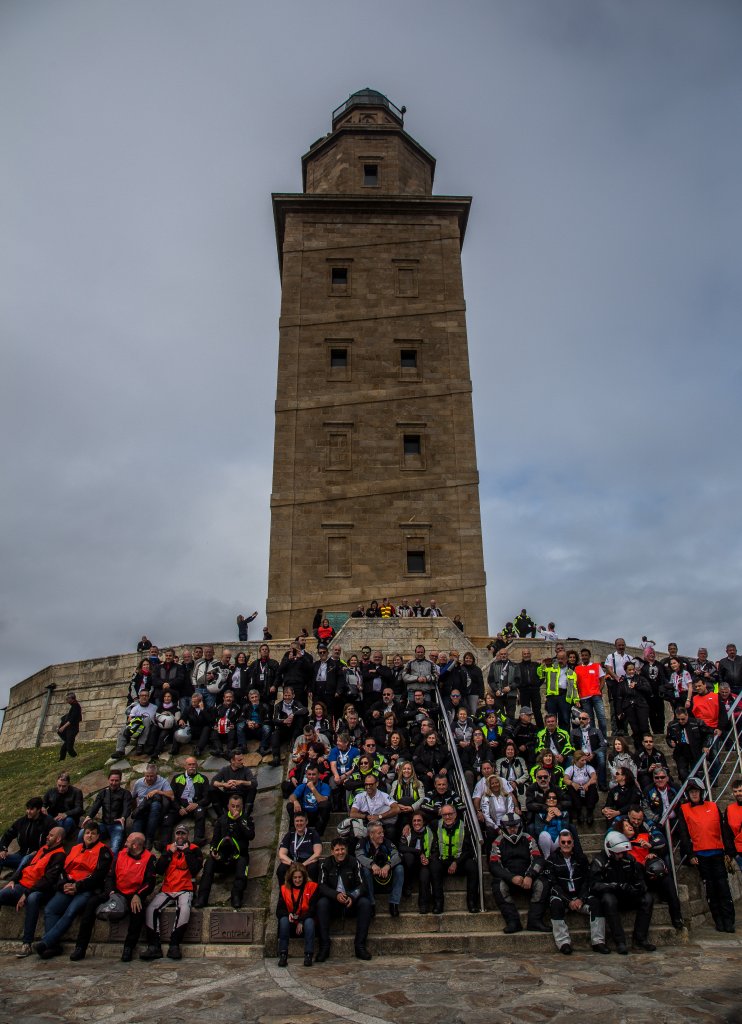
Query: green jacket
x=551 y=674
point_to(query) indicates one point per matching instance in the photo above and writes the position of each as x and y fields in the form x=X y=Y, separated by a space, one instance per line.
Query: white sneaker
x=25 y=950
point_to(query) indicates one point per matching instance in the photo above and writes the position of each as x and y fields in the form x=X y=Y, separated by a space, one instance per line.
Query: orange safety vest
x=704 y=825
x=706 y=707
x=734 y=820
x=297 y=900
x=640 y=853
x=81 y=862
x=178 y=876
x=129 y=873
x=35 y=870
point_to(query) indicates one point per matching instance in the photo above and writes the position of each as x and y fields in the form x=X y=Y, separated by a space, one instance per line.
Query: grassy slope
x=27 y=773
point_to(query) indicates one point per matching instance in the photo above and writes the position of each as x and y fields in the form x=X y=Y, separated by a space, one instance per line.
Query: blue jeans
x=147 y=818
x=395 y=895
x=60 y=913
x=285 y=929
x=16 y=860
x=598 y=764
x=114 y=833
x=208 y=698
x=596 y=709
x=34 y=902
x=263 y=734
x=556 y=704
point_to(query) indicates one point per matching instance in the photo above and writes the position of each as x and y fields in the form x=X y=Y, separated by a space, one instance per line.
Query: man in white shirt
x=615 y=668
x=549 y=633
x=373 y=804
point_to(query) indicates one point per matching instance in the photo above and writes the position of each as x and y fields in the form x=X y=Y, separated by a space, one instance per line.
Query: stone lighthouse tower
x=375 y=484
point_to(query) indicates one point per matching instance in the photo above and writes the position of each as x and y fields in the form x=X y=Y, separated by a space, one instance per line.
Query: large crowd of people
x=365 y=736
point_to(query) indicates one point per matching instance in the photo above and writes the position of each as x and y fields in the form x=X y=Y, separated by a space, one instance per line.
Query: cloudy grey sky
x=139 y=297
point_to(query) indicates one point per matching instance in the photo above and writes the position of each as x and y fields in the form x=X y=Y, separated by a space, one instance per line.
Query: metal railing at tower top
x=470 y=814
x=370 y=98
x=717 y=766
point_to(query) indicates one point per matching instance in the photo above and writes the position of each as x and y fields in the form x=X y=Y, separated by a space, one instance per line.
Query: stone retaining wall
x=102 y=684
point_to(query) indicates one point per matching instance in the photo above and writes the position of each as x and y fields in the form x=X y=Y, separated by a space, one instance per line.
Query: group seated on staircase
x=362 y=739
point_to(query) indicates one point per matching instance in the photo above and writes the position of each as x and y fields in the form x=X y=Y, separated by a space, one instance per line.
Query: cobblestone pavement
x=701 y=982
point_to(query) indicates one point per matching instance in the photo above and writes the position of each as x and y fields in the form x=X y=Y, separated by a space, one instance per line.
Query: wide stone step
x=460 y=921
x=493 y=942
x=221 y=926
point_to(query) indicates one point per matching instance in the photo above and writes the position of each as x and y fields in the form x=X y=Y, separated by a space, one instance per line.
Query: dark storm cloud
x=140 y=298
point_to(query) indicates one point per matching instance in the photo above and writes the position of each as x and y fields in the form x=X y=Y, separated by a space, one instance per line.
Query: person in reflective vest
x=133 y=879
x=85 y=870
x=455 y=856
x=561 y=688
x=706 y=840
x=179 y=865
x=33 y=885
x=417 y=846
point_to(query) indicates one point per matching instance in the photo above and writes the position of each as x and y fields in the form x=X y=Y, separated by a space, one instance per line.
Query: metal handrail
x=702 y=765
x=469 y=811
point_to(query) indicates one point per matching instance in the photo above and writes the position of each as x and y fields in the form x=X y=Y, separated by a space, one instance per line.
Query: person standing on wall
x=69 y=727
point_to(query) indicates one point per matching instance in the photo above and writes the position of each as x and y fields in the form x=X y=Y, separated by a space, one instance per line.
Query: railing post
x=51 y=687
x=668 y=833
x=469 y=811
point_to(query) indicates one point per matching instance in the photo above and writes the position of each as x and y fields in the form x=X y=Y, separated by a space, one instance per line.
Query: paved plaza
x=701 y=982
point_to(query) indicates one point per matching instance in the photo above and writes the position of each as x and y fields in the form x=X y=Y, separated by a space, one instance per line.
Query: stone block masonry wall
x=101 y=685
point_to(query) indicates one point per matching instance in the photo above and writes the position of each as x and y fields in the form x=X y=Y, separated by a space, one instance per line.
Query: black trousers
x=713 y=873
x=530 y=697
x=439 y=871
x=613 y=903
x=87 y=921
x=656 y=712
x=636 y=718
x=328 y=910
x=174 y=816
x=222 y=867
x=316 y=818
x=414 y=870
x=684 y=760
x=287 y=732
x=68 y=744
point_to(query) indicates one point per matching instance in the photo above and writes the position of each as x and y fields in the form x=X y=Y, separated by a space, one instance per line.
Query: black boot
x=152 y=952
x=535 y=921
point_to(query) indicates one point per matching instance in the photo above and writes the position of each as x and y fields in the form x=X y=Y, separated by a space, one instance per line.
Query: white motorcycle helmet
x=616 y=842
x=165 y=719
x=183 y=735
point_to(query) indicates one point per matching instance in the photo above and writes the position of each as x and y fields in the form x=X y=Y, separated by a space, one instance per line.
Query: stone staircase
x=458 y=931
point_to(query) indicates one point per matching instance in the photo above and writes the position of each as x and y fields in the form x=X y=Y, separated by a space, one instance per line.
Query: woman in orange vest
x=706 y=840
x=295 y=913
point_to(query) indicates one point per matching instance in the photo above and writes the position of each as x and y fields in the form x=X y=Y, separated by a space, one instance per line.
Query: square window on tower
x=339 y=277
x=338 y=358
x=370 y=175
x=416 y=562
x=412 y=445
x=408 y=358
